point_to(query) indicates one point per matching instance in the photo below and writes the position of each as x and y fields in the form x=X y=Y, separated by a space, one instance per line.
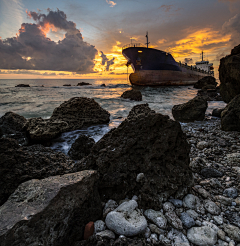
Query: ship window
x=139 y=51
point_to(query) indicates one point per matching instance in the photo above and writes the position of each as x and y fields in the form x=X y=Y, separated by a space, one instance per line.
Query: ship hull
x=164 y=77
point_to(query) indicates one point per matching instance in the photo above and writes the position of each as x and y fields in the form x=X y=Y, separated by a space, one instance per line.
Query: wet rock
x=80 y=111
x=99 y=226
x=19 y=164
x=136 y=146
x=173 y=219
x=106 y=234
x=83 y=83
x=230 y=116
x=55 y=209
x=192 y=110
x=229 y=76
x=178 y=238
x=132 y=94
x=202 y=236
x=205 y=81
x=126 y=220
x=156 y=217
x=217 y=112
x=187 y=220
x=22 y=85
x=232 y=231
x=81 y=147
x=230 y=192
x=140 y=110
x=89 y=230
x=212 y=208
x=40 y=130
x=176 y=202
x=211 y=173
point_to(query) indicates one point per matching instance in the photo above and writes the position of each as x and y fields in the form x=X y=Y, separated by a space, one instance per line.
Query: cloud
x=112 y=4
x=189 y=61
x=166 y=8
x=32 y=49
x=104 y=58
x=109 y=63
x=232 y=27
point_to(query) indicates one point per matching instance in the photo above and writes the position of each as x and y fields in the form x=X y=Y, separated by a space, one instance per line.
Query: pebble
x=224 y=200
x=173 y=219
x=193 y=202
x=176 y=202
x=212 y=208
x=222 y=243
x=155 y=229
x=109 y=206
x=106 y=234
x=202 y=145
x=232 y=231
x=154 y=237
x=218 y=219
x=211 y=173
x=202 y=236
x=168 y=206
x=187 y=220
x=164 y=240
x=178 y=238
x=221 y=234
x=140 y=177
x=156 y=217
x=99 y=225
x=147 y=232
x=193 y=213
x=230 y=192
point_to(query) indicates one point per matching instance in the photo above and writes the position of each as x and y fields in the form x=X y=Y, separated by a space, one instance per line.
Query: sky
x=76 y=39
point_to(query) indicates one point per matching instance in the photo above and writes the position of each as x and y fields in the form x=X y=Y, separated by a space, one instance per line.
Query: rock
x=224 y=200
x=11 y=126
x=233 y=218
x=19 y=164
x=144 y=145
x=212 y=208
x=67 y=85
x=126 y=220
x=218 y=219
x=202 y=192
x=202 y=145
x=81 y=147
x=83 y=83
x=55 y=209
x=210 y=225
x=209 y=172
x=164 y=240
x=147 y=233
x=217 y=112
x=89 y=230
x=132 y=94
x=202 y=236
x=190 y=111
x=230 y=192
x=229 y=76
x=205 y=81
x=139 y=110
x=140 y=177
x=155 y=229
x=233 y=157
x=192 y=213
x=99 y=226
x=109 y=206
x=156 y=217
x=178 y=238
x=154 y=238
x=193 y=202
x=22 y=85
x=173 y=219
x=176 y=202
x=197 y=164
x=103 y=85
x=168 y=206
x=222 y=243
x=106 y=234
x=221 y=234
x=80 y=111
x=230 y=116
x=232 y=231
x=40 y=130
x=187 y=220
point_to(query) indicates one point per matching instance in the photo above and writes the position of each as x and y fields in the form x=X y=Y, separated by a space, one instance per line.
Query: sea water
x=44 y=95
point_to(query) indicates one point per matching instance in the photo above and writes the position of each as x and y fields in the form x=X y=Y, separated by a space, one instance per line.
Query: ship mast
x=147 y=40
x=202 y=55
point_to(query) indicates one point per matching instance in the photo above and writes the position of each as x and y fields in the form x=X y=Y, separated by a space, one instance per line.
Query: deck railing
x=195 y=69
x=133 y=45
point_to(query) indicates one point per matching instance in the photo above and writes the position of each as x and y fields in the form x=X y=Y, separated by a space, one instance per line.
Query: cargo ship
x=153 y=67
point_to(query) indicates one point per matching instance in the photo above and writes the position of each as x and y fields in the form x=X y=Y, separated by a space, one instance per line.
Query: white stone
x=202 y=236
x=218 y=219
x=126 y=220
x=154 y=237
x=140 y=177
x=156 y=217
x=99 y=225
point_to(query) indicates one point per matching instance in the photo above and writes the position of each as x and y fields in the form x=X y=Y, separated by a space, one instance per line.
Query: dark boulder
x=103 y=85
x=67 y=85
x=209 y=172
x=51 y=211
x=22 y=85
x=209 y=94
x=139 y=111
x=230 y=116
x=19 y=164
x=11 y=125
x=229 y=75
x=217 y=112
x=205 y=81
x=132 y=94
x=146 y=156
x=80 y=111
x=83 y=83
x=42 y=131
x=190 y=111
x=81 y=147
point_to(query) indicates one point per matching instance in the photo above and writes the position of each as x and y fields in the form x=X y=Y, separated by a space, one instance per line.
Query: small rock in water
x=187 y=220
x=211 y=173
x=156 y=217
x=230 y=192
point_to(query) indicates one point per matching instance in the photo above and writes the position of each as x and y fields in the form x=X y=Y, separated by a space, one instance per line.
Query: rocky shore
x=150 y=181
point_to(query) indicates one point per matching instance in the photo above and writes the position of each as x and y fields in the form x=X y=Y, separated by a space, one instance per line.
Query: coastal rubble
x=51 y=211
x=190 y=111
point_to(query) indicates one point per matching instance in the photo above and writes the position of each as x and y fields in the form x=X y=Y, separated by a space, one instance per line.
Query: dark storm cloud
x=109 y=63
x=104 y=58
x=31 y=49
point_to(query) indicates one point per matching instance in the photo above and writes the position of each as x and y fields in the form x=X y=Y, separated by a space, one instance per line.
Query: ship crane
x=147 y=40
